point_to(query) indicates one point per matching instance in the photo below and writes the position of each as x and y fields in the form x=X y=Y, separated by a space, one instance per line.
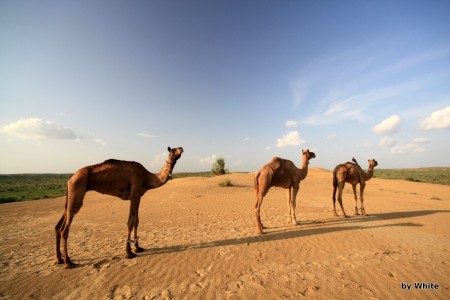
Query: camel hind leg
x=259 y=225
x=74 y=202
x=58 y=229
x=262 y=185
x=341 y=189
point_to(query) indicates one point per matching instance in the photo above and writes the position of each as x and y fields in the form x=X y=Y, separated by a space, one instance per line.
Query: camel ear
x=168 y=149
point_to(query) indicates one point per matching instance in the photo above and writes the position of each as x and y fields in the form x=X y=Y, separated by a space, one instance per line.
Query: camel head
x=174 y=153
x=372 y=163
x=308 y=154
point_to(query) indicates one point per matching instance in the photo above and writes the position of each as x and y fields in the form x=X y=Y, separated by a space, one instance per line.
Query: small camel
x=127 y=180
x=352 y=173
x=280 y=173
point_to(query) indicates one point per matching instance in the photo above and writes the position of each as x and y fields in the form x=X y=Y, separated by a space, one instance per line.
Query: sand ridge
x=201 y=243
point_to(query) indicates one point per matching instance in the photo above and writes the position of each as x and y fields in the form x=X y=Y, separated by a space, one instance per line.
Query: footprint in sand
x=203 y=272
x=119 y=293
x=233 y=288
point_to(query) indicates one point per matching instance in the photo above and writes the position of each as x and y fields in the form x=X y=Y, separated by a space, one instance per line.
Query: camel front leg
x=137 y=249
x=134 y=205
x=293 y=200
x=361 y=197
x=356 y=200
x=289 y=200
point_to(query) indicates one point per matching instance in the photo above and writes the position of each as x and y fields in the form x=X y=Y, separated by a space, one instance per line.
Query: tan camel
x=124 y=179
x=352 y=173
x=280 y=173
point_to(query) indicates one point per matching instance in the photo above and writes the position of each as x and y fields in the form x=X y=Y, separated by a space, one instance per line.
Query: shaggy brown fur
x=353 y=174
x=124 y=179
x=280 y=173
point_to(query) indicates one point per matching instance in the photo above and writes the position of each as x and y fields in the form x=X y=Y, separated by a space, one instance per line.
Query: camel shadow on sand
x=304 y=229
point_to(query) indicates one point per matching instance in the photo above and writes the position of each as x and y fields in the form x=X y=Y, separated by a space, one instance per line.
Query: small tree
x=219 y=167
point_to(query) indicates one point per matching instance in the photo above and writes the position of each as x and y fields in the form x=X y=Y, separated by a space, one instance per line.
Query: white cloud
x=268 y=147
x=387 y=141
x=291 y=123
x=100 y=142
x=408 y=148
x=208 y=160
x=389 y=125
x=331 y=136
x=246 y=139
x=158 y=160
x=421 y=140
x=38 y=129
x=146 y=135
x=338 y=111
x=417 y=146
x=290 y=139
x=437 y=120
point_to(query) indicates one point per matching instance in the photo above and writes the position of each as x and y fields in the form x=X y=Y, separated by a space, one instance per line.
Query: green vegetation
x=219 y=167
x=189 y=174
x=430 y=175
x=225 y=183
x=24 y=187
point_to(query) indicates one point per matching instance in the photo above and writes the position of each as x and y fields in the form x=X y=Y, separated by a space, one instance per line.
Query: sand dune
x=201 y=243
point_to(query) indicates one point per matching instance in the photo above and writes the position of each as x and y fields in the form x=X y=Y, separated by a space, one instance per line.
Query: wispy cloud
x=290 y=139
x=38 y=129
x=437 y=120
x=348 y=85
x=146 y=135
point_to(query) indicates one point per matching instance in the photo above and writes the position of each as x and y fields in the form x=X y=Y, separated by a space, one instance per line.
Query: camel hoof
x=139 y=249
x=131 y=255
x=69 y=265
x=59 y=261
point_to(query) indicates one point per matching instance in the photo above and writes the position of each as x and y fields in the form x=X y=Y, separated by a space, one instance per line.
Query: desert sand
x=201 y=243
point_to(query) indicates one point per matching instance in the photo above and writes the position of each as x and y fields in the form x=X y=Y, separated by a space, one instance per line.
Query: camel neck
x=166 y=172
x=304 y=168
x=369 y=174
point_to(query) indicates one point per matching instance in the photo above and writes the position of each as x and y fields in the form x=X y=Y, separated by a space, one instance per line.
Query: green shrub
x=225 y=183
x=219 y=167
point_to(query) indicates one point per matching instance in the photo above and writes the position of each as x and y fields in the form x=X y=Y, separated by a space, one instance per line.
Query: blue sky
x=84 y=81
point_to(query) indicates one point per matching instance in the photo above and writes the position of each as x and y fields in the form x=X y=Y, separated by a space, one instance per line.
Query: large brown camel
x=352 y=173
x=280 y=173
x=127 y=180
